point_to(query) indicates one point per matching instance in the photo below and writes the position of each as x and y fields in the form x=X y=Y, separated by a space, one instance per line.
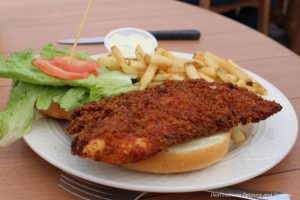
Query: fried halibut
x=134 y=126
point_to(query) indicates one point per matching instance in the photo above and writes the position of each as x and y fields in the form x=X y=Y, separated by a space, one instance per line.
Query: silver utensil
x=186 y=34
x=92 y=191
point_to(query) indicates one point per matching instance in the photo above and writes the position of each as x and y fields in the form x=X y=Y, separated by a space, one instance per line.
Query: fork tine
x=94 y=185
x=86 y=185
x=75 y=190
x=70 y=191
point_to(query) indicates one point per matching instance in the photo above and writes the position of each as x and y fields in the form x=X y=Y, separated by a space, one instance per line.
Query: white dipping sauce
x=128 y=43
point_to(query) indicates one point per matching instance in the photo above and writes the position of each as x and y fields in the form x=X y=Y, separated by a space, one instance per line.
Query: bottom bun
x=187 y=156
x=55 y=111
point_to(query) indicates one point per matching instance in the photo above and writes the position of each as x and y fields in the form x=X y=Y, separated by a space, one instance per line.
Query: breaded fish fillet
x=135 y=125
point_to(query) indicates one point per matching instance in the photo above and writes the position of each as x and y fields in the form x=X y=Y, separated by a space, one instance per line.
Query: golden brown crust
x=136 y=125
x=55 y=111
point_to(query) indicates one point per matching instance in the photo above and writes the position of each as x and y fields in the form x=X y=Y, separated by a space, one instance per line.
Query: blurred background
x=278 y=19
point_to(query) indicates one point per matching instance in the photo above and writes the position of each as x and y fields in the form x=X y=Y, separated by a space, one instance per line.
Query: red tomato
x=75 y=65
x=46 y=66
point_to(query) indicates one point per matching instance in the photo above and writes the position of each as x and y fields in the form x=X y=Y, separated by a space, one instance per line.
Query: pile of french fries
x=163 y=65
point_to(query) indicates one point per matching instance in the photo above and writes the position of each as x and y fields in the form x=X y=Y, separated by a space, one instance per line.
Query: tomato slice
x=48 y=68
x=75 y=65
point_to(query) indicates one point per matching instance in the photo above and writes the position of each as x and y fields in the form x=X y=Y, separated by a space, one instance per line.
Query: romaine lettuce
x=49 y=51
x=18 y=66
x=33 y=88
x=18 y=113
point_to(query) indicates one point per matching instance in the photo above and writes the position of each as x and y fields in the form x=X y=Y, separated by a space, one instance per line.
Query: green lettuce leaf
x=18 y=66
x=24 y=57
x=100 y=91
x=33 y=88
x=68 y=98
x=74 y=97
x=49 y=51
x=18 y=113
x=47 y=94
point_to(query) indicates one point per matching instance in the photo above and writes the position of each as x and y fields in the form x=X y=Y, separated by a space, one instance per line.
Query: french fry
x=179 y=65
x=241 y=83
x=233 y=63
x=160 y=71
x=147 y=59
x=148 y=75
x=256 y=87
x=161 y=77
x=161 y=60
x=205 y=77
x=109 y=61
x=191 y=71
x=182 y=61
x=165 y=52
x=223 y=76
x=199 y=56
x=177 y=61
x=214 y=57
x=238 y=134
x=124 y=66
x=177 y=77
x=209 y=71
x=199 y=63
x=175 y=70
x=137 y=65
x=234 y=70
x=154 y=83
x=222 y=70
x=163 y=65
x=140 y=54
x=210 y=62
x=250 y=88
x=162 y=51
x=259 y=88
x=233 y=78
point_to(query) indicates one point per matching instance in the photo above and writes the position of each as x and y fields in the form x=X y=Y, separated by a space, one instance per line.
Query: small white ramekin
x=128 y=31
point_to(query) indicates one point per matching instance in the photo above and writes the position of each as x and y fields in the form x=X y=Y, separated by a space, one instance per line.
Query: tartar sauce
x=128 y=43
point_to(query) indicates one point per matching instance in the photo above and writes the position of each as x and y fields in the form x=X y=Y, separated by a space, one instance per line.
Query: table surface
x=33 y=23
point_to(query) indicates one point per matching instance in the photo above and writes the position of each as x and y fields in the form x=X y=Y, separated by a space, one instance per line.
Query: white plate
x=267 y=144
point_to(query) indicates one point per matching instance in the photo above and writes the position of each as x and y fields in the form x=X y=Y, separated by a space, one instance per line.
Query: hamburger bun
x=192 y=155
x=55 y=111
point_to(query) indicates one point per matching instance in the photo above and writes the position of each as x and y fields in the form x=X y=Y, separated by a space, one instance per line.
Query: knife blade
x=187 y=34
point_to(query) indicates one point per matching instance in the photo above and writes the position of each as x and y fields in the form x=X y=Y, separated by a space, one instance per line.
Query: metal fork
x=92 y=191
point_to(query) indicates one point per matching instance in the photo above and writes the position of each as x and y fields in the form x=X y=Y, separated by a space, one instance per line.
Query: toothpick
x=80 y=29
